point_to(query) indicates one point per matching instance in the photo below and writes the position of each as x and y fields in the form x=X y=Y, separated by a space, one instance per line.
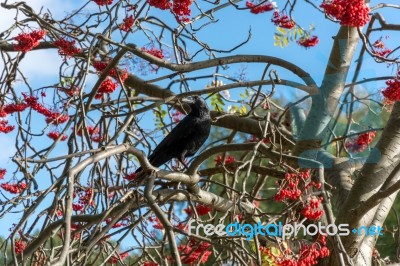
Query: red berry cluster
x=55 y=135
x=378 y=44
x=317 y=185
x=100 y=66
x=349 y=13
x=312 y=211
x=143 y=65
x=130 y=7
x=180 y=226
x=67 y=48
x=382 y=53
x=255 y=139
x=161 y=4
x=124 y=222
x=380 y=49
x=14 y=107
x=156 y=223
x=392 y=91
x=127 y=24
x=309 y=255
x=228 y=160
x=154 y=52
x=5 y=128
x=200 y=210
x=74 y=227
x=13 y=188
x=32 y=102
x=282 y=20
x=176 y=116
x=257 y=8
x=181 y=10
x=270 y=256
x=55 y=118
x=19 y=246
x=150 y=263
x=375 y=253
x=103 y=2
x=94 y=134
x=2 y=173
x=98 y=138
x=193 y=253
x=308 y=41
x=203 y=209
x=85 y=197
x=366 y=138
x=2 y=112
x=117 y=258
x=28 y=41
x=107 y=86
x=359 y=144
x=291 y=192
x=78 y=207
x=130 y=176
x=289 y=189
x=91 y=130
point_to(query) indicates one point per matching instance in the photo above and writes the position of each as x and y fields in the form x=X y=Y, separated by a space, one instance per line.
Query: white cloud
x=57 y=8
x=41 y=64
x=7 y=18
x=226 y=94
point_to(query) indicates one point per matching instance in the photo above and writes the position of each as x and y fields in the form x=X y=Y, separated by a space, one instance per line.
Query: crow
x=187 y=137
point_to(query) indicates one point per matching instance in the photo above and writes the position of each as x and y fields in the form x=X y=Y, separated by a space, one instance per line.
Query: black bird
x=187 y=137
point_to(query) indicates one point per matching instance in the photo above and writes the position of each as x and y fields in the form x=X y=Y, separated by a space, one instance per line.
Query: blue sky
x=41 y=67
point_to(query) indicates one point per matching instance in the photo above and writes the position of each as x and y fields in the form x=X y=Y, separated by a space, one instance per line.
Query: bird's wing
x=178 y=134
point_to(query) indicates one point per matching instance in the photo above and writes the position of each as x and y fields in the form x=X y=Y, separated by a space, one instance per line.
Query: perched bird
x=187 y=137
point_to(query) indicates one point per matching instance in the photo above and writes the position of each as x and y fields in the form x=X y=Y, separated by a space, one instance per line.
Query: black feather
x=186 y=138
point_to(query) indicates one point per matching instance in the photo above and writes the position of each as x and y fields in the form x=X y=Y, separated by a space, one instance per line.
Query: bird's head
x=197 y=105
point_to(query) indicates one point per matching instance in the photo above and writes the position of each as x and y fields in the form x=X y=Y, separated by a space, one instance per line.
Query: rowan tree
x=290 y=143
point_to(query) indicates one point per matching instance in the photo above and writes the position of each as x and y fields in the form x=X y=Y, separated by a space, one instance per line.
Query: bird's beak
x=187 y=100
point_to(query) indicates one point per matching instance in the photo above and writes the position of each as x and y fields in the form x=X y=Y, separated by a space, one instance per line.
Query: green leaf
x=217 y=100
x=274 y=251
x=245 y=94
x=281 y=30
x=286 y=41
x=243 y=110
